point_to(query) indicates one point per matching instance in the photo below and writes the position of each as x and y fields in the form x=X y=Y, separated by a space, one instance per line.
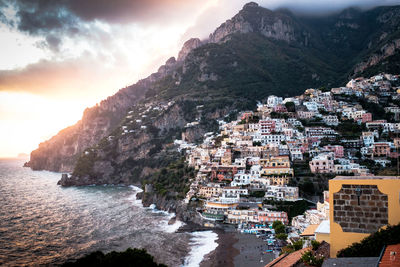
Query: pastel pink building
x=246 y=115
x=280 y=108
x=336 y=149
x=267 y=126
x=271 y=216
x=323 y=163
x=366 y=117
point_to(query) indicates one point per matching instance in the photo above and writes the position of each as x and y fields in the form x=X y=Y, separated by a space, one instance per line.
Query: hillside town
x=270 y=156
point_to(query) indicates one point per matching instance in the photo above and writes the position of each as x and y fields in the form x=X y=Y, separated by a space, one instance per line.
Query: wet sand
x=224 y=254
x=235 y=249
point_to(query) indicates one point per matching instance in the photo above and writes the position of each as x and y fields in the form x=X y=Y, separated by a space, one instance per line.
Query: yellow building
x=211 y=190
x=278 y=180
x=322 y=233
x=276 y=161
x=276 y=166
x=218 y=207
x=226 y=159
x=360 y=206
x=265 y=171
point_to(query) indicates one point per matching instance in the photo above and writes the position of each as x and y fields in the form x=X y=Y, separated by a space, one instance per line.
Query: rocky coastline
x=183 y=212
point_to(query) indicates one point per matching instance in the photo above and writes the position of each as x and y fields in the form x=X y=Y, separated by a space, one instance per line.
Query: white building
x=288 y=193
x=273 y=101
x=331 y=120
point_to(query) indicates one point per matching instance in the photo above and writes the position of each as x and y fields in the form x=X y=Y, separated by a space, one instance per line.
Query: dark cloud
x=56 y=19
x=53 y=43
x=40 y=16
x=43 y=16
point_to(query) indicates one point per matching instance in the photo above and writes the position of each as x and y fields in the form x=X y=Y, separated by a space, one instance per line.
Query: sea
x=42 y=223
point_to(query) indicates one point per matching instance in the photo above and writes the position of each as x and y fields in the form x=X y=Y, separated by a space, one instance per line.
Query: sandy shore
x=235 y=249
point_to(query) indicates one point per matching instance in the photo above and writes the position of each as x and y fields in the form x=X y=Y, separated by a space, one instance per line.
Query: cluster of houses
x=302 y=224
x=145 y=113
x=252 y=158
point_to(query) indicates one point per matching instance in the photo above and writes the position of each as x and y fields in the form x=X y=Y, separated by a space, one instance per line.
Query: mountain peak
x=250 y=5
x=188 y=46
x=254 y=18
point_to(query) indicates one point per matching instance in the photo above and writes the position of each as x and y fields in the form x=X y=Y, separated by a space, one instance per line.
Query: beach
x=224 y=254
x=251 y=251
x=236 y=249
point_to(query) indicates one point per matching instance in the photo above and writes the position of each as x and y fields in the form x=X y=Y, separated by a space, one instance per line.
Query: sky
x=59 y=57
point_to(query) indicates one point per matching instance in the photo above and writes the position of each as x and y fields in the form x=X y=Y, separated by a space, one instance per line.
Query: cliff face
x=139 y=146
x=188 y=46
x=61 y=152
x=258 y=52
x=252 y=18
x=387 y=50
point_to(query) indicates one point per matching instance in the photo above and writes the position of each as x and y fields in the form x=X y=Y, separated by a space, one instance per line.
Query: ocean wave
x=43 y=224
x=171 y=228
x=135 y=201
x=201 y=243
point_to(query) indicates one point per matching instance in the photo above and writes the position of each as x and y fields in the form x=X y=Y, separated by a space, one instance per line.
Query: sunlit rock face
x=188 y=46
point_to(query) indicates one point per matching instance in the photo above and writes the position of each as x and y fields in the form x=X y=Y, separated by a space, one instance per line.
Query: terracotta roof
x=391 y=256
x=287 y=260
x=310 y=230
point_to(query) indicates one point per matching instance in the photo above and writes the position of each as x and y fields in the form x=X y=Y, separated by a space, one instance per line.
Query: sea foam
x=166 y=216
x=135 y=201
x=202 y=243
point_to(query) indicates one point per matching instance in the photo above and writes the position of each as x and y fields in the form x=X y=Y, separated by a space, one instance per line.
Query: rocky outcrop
x=387 y=50
x=188 y=46
x=252 y=18
x=236 y=25
x=181 y=209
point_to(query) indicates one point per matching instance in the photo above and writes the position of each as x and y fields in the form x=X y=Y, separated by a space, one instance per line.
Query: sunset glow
x=26 y=120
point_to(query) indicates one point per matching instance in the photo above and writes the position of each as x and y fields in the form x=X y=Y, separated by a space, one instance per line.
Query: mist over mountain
x=256 y=53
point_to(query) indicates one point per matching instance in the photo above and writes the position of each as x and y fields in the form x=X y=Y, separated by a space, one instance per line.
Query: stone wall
x=365 y=213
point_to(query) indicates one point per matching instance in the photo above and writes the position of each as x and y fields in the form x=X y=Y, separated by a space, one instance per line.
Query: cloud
x=40 y=16
x=81 y=77
x=89 y=76
x=53 y=42
x=58 y=20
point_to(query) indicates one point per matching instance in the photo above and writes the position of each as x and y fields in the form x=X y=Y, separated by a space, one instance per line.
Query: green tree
x=315 y=244
x=279 y=227
x=290 y=106
x=276 y=223
x=307 y=186
x=282 y=236
x=311 y=260
x=372 y=245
